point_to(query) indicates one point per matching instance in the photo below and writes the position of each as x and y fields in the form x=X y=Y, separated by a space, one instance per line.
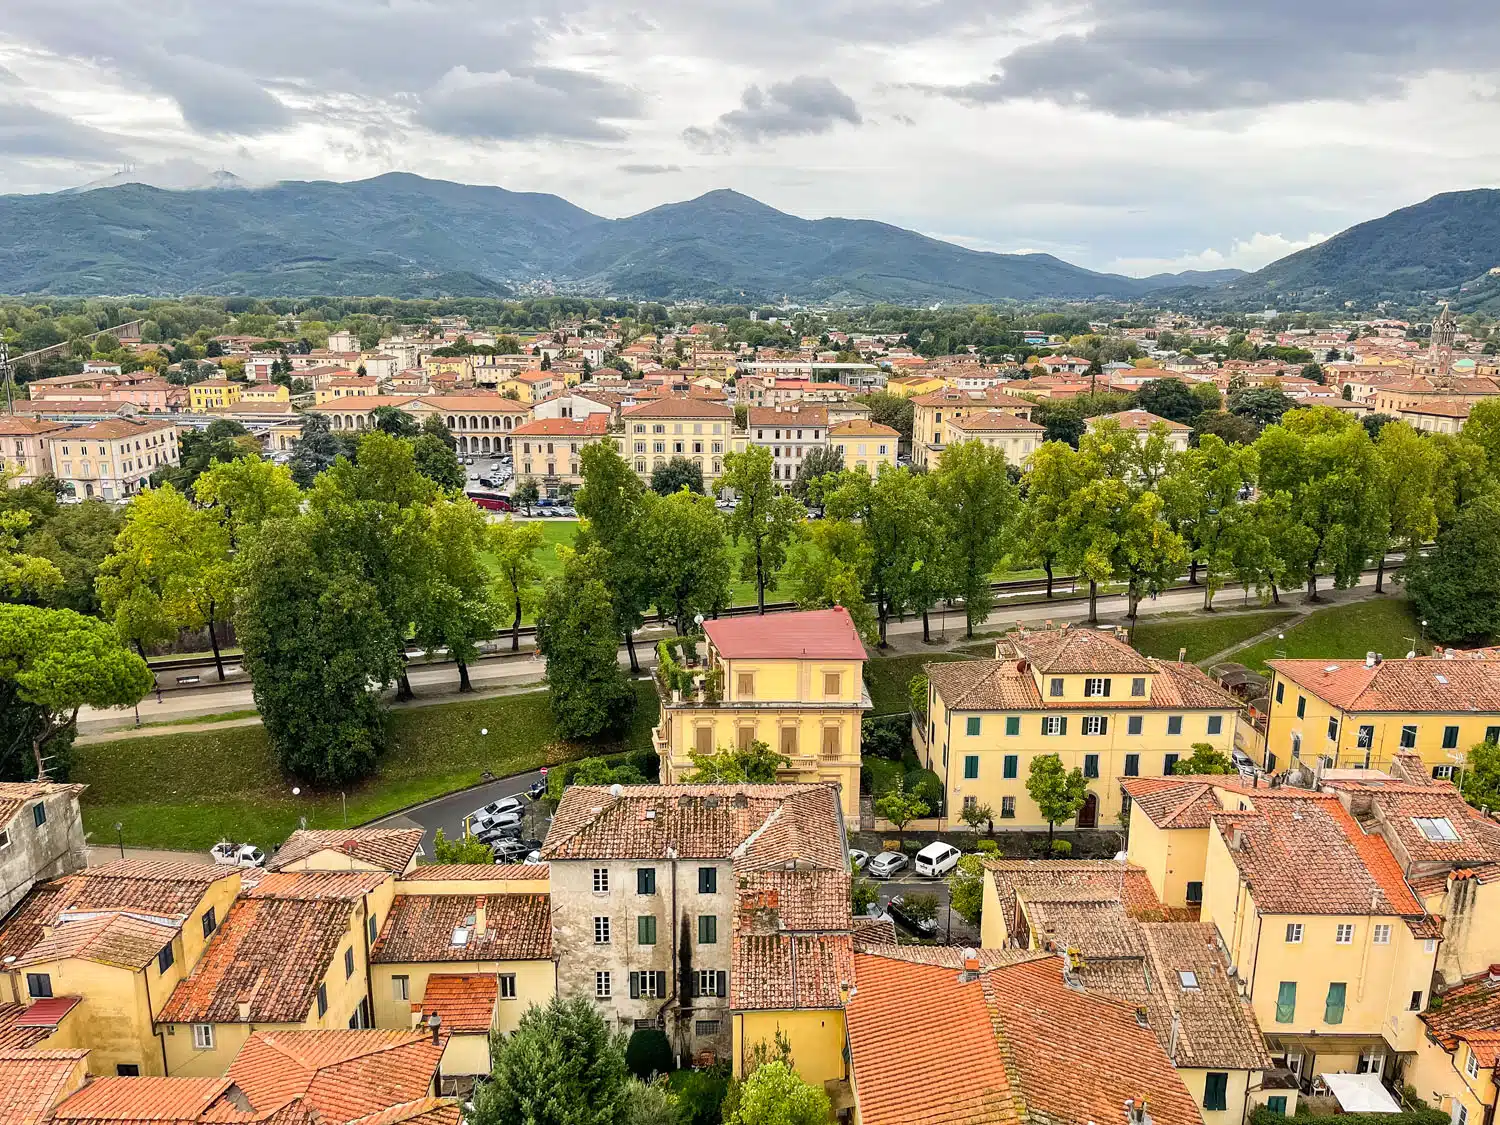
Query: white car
x=495 y=808
x=238 y=855
x=887 y=864
x=533 y=859
x=937 y=859
x=858 y=859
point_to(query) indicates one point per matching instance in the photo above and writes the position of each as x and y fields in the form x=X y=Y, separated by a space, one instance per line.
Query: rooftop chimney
x=1135 y=1111
x=1495 y=972
x=434 y=1022
x=1181 y=655
x=479 y=916
x=1371 y=659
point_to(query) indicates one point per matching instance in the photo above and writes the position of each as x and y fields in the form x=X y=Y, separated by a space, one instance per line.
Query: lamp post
x=120 y=837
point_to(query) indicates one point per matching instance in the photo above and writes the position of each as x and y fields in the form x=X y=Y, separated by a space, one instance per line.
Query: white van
x=937 y=859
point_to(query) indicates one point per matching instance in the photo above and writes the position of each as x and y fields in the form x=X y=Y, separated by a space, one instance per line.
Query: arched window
x=484 y=423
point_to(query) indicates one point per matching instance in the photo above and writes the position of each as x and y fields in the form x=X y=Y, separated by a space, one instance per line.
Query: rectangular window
x=1007 y=808
x=1012 y=765
x=1409 y=737
x=322 y=1000
x=971 y=726
x=39 y=985
x=164 y=958
x=703 y=738
x=1055 y=688
x=373 y=929
x=601 y=880
x=708 y=880
x=1012 y=725
x=1215 y=724
x=1174 y=724
x=832 y=743
x=1364 y=738
x=1382 y=935
x=745 y=685
x=4 y=839
x=400 y=988
x=645 y=880
x=1333 y=1007
x=744 y=735
x=601 y=929
x=1301 y=706
x=1293 y=933
x=1096 y=688
x=349 y=962
x=1168 y=765
x=706 y=1028
x=708 y=929
x=1054 y=724
x=645 y=929
x=789 y=741
x=127 y=1070
x=1415 y=1004
x=1442 y=773
x=507 y=986
x=1450 y=738
x=1343 y=934
x=708 y=982
x=1280 y=692
x=1286 y=1002
x=1132 y=765
x=1333 y=729
x=1096 y=724
x=203 y=1036
x=1138 y=687
x=833 y=684
x=1091 y=765
x=38 y=815
x=1216 y=1090
x=1194 y=893
x=1134 y=724
x=1492 y=734
x=602 y=985
x=209 y=922
x=1276 y=1103
x=971 y=766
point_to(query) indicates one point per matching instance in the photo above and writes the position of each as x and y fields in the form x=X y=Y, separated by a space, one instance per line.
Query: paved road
x=448 y=812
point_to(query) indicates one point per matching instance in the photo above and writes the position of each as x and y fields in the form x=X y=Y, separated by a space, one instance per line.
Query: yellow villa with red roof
x=794 y=681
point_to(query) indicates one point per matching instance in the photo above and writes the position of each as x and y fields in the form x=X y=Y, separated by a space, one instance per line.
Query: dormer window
x=1096 y=688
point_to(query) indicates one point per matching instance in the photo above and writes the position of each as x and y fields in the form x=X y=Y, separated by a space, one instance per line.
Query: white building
x=790 y=432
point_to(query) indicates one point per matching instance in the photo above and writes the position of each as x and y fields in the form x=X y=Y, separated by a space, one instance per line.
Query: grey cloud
x=1143 y=57
x=28 y=131
x=801 y=105
x=649 y=169
x=540 y=102
x=218 y=99
x=9 y=77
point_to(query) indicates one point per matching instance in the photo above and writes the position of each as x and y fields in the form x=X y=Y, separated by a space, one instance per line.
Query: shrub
x=988 y=847
x=700 y=1095
x=1260 y=1115
x=877 y=775
x=883 y=738
x=1062 y=848
x=928 y=786
x=648 y=1053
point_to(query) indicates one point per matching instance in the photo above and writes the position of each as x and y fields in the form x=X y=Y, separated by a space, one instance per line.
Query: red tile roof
x=32 y=1082
x=592 y=426
x=476 y=872
x=1470 y=1007
x=23 y=1026
x=994 y=421
x=1076 y=651
x=680 y=408
x=1399 y=685
x=391 y=849
x=463 y=1002
x=142 y=1099
x=313 y=886
x=796 y=415
x=785 y=971
x=518 y=927
x=1140 y=421
x=1180 y=801
x=815 y=634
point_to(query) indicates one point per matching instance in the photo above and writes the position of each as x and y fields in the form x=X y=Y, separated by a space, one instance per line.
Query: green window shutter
x=971 y=726
x=971 y=766
x=723 y=983
x=1286 y=1002
x=1216 y=1090
x=1013 y=724
x=645 y=929
x=635 y=986
x=1012 y=764
x=1333 y=1011
x=708 y=929
x=661 y=985
x=1276 y=1103
x=1064 y=728
x=645 y=881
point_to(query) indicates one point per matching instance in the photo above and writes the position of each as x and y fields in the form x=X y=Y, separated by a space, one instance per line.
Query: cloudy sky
x=1130 y=135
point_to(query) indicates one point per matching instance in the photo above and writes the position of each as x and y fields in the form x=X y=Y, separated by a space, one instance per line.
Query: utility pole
x=10 y=406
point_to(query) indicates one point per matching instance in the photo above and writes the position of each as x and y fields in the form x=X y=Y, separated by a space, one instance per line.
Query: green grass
x=1202 y=634
x=192 y=789
x=221 y=717
x=889 y=677
x=1386 y=625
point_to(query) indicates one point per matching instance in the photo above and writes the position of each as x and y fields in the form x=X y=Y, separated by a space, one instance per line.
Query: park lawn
x=1386 y=625
x=1203 y=634
x=192 y=789
x=889 y=678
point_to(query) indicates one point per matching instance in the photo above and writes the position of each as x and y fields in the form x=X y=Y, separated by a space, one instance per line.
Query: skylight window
x=1188 y=978
x=1442 y=679
x=1435 y=828
x=1331 y=668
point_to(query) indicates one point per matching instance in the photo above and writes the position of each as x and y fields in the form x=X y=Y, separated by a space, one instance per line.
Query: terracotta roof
x=518 y=927
x=479 y=403
x=989 y=397
x=109 y=938
x=16 y=795
x=786 y=971
x=593 y=426
x=25 y=1025
x=1179 y=801
x=390 y=849
x=793 y=900
x=32 y=1082
x=814 y=634
x=426 y=1111
x=859 y=427
x=463 y=1002
x=1087 y=917
x=142 y=1099
x=993 y=421
x=1076 y=651
x=1005 y=685
x=270 y=953
x=476 y=872
x=796 y=414
x=758 y=826
x=1397 y=808
x=1140 y=421
x=12 y=424
x=1473 y=1006
x=112 y=429
x=1119 y=879
x=869 y=932
x=1399 y=685
x=314 y=886
x=1304 y=854
x=680 y=408
x=1078 y=1057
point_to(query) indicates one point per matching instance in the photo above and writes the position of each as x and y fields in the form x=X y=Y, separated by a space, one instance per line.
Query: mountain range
x=196 y=230
x=403 y=235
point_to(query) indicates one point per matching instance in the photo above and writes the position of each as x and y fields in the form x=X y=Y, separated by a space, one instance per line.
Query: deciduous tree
x=687 y=558
x=456 y=607
x=613 y=506
x=901 y=807
x=577 y=633
x=518 y=575
x=764 y=520
x=1058 y=792
x=756 y=763
x=677 y=474
x=774 y=1094
x=1456 y=588
x=976 y=504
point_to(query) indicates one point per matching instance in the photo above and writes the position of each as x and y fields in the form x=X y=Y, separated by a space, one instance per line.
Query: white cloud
x=1244 y=254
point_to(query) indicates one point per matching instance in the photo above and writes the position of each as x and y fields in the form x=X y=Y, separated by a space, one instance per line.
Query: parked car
x=546 y=502
x=503 y=824
x=536 y=789
x=494 y=808
x=487 y=482
x=858 y=859
x=567 y=511
x=922 y=927
x=468 y=460
x=508 y=850
x=1243 y=763
x=238 y=855
x=533 y=859
x=937 y=859
x=887 y=864
x=879 y=913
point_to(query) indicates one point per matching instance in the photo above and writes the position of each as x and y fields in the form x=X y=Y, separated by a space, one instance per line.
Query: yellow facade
x=211 y=394
x=466 y=1055
x=398 y=985
x=929 y=428
x=1301 y=730
x=649 y=442
x=1172 y=858
x=1384 y=968
x=266 y=392
x=869 y=452
x=807 y=710
x=1442 y=1080
x=984 y=756
x=817 y=1038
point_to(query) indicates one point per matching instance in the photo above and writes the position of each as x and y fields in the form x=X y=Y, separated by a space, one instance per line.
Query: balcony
x=683 y=675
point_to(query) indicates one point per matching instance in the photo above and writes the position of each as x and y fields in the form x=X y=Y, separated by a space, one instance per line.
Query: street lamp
x=120 y=837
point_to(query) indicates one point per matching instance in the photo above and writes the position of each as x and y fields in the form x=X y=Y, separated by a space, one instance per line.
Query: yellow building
x=865 y=445
x=352 y=386
x=793 y=681
x=349 y=849
x=1455 y=1065
x=1017 y=438
x=1334 y=951
x=931 y=414
x=212 y=394
x=1082 y=694
x=910 y=386
x=119 y=938
x=265 y=392
x=530 y=386
x=292 y=954
x=548 y=449
x=1359 y=713
x=1170 y=819
x=700 y=430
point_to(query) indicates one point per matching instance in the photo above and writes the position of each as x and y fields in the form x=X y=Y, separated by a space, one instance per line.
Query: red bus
x=490 y=502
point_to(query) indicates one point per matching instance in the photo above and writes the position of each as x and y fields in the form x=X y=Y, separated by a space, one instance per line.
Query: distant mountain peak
x=168 y=175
